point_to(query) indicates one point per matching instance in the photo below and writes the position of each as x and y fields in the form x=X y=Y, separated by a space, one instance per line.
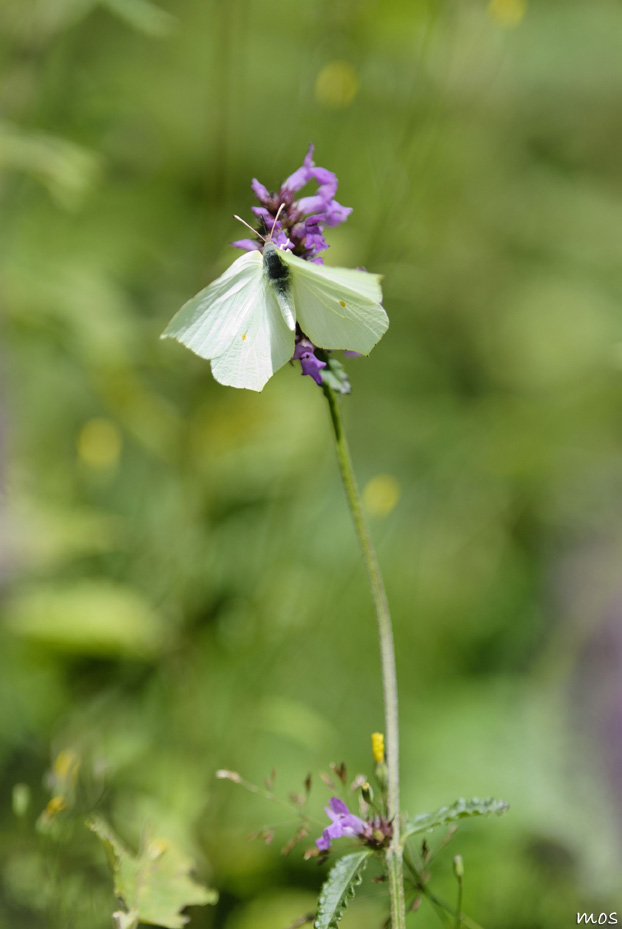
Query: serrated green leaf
x=462 y=808
x=125 y=920
x=339 y=888
x=154 y=885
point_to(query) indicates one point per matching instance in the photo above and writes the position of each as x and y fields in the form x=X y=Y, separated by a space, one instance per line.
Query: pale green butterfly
x=245 y=321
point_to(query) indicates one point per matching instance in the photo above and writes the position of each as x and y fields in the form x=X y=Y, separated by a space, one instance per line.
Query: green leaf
x=154 y=885
x=125 y=920
x=462 y=808
x=67 y=170
x=339 y=888
x=88 y=617
x=334 y=374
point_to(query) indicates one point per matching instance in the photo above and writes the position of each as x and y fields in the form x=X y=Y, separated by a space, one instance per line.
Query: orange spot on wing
x=341 y=303
x=244 y=337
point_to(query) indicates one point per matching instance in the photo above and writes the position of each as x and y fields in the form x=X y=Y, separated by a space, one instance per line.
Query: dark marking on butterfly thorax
x=277 y=270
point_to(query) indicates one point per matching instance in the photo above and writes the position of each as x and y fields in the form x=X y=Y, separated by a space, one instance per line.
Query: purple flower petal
x=335 y=830
x=327 y=180
x=264 y=214
x=336 y=807
x=356 y=824
x=296 y=180
x=313 y=204
x=281 y=240
x=302 y=176
x=335 y=213
x=310 y=232
x=249 y=245
x=344 y=824
x=308 y=159
x=262 y=193
x=317 y=244
x=312 y=366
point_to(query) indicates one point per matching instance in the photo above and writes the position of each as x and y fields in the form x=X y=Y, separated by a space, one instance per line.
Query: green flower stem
x=387 y=659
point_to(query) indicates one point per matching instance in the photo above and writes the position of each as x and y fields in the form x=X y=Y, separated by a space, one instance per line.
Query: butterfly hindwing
x=264 y=346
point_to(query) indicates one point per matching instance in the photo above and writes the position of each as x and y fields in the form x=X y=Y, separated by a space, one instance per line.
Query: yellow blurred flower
x=66 y=766
x=99 y=444
x=336 y=85
x=56 y=805
x=381 y=494
x=507 y=12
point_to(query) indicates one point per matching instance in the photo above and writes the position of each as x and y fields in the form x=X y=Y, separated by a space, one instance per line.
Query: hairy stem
x=387 y=659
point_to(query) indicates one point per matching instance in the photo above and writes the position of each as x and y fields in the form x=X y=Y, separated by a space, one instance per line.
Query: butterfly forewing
x=210 y=321
x=337 y=307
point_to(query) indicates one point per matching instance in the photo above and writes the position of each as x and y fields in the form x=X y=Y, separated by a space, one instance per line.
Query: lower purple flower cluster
x=304 y=353
x=299 y=228
x=376 y=832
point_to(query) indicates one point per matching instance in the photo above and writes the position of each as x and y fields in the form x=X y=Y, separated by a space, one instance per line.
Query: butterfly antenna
x=276 y=219
x=244 y=223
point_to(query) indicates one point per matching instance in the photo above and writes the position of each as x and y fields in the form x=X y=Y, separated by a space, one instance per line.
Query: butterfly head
x=270 y=237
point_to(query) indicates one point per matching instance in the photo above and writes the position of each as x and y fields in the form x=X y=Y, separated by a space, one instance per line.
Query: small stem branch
x=459 y=905
x=420 y=886
x=387 y=660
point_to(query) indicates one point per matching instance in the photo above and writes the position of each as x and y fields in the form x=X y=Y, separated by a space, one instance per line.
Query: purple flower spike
x=301 y=221
x=304 y=353
x=344 y=823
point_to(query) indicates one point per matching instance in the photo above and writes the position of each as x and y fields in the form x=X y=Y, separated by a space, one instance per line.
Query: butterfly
x=245 y=321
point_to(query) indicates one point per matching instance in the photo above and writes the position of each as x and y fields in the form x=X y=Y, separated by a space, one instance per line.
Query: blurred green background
x=181 y=588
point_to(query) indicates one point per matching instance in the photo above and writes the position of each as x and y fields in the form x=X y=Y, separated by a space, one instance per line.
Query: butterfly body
x=245 y=321
x=275 y=268
x=279 y=276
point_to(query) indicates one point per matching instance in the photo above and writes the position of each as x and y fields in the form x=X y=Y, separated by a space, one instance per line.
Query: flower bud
x=377 y=747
